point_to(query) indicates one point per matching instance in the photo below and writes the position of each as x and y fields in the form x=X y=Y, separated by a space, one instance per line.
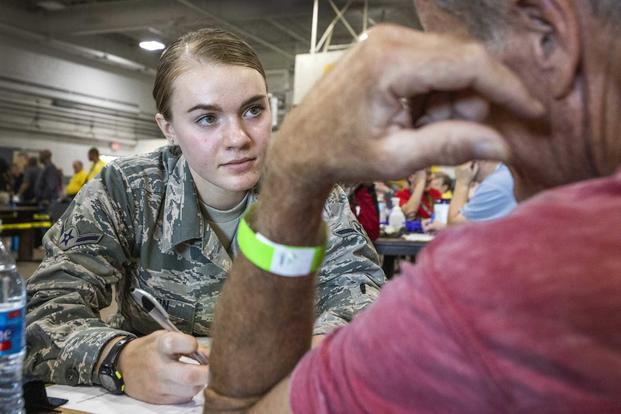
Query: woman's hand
x=152 y=371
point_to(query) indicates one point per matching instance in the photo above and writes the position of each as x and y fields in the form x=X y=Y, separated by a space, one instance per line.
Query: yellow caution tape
x=26 y=226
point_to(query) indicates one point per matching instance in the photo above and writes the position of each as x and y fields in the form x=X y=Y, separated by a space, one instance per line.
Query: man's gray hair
x=486 y=18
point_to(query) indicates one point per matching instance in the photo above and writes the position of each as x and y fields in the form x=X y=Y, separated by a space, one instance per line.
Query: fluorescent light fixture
x=151 y=45
x=51 y=5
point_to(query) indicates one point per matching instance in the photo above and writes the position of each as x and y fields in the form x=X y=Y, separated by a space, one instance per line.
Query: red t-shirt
x=364 y=207
x=521 y=315
x=425 y=208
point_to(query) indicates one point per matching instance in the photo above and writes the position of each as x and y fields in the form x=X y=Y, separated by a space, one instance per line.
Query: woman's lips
x=239 y=165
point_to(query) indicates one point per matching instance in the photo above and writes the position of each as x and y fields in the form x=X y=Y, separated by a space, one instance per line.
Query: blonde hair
x=213 y=45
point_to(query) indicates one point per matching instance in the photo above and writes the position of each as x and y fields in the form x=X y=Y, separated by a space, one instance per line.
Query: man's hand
x=466 y=173
x=152 y=371
x=397 y=102
x=418 y=178
x=433 y=226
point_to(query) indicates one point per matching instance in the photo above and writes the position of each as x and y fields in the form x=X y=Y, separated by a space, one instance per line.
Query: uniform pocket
x=181 y=313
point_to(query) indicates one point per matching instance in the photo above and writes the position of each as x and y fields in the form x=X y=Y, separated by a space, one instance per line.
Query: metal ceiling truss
x=326 y=39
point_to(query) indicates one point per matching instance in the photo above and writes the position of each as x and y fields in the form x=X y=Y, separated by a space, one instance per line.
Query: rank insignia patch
x=71 y=238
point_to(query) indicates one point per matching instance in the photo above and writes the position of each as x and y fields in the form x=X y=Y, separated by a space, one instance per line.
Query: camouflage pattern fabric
x=138 y=224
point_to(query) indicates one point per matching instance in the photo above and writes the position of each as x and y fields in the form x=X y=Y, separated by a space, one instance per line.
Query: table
x=391 y=248
x=93 y=399
x=24 y=221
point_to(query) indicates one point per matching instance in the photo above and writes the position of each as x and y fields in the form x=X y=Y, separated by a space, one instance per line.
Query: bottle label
x=11 y=331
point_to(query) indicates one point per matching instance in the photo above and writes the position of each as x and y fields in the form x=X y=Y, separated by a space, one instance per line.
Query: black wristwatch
x=109 y=377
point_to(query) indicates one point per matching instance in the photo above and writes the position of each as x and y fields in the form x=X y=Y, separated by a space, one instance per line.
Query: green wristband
x=282 y=260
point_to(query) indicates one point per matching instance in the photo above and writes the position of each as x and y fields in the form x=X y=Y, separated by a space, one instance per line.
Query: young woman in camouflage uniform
x=165 y=222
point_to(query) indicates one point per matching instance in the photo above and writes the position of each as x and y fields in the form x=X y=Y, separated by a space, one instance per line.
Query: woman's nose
x=237 y=136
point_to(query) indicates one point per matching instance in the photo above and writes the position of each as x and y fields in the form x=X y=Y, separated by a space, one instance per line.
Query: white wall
x=32 y=62
x=33 y=67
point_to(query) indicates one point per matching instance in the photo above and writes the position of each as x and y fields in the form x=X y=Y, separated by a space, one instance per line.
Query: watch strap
x=115 y=383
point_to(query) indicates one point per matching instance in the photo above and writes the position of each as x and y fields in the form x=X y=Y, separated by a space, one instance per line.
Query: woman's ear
x=166 y=127
x=553 y=29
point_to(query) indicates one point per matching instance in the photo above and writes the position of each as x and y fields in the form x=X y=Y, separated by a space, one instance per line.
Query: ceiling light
x=151 y=45
x=51 y=5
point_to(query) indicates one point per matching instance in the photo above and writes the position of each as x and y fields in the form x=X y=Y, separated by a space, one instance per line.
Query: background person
x=166 y=222
x=492 y=198
x=16 y=177
x=49 y=182
x=78 y=179
x=27 y=192
x=424 y=191
x=96 y=163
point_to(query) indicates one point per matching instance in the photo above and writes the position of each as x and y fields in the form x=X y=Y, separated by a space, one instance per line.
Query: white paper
x=418 y=237
x=97 y=400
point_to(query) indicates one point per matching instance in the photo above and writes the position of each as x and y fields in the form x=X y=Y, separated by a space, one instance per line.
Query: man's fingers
x=172 y=343
x=426 y=62
x=443 y=143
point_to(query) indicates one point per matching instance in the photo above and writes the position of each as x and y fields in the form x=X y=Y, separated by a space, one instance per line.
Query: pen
x=151 y=306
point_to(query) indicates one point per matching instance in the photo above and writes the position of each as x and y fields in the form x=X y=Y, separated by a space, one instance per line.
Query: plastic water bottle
x=12 y=343
x=383 y=214
x=396 y=220
x=441 y=210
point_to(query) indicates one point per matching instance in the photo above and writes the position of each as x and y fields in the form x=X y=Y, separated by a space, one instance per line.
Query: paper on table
x=97 y=400
x=418 y=237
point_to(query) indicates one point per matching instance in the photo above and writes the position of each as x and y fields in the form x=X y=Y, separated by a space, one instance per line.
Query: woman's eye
x=208 y=119
x=254 y=111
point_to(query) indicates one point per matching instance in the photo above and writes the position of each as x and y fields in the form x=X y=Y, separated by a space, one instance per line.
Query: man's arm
x=464 y=177
x=263 y=322
x=459 y=200
x=411 y=207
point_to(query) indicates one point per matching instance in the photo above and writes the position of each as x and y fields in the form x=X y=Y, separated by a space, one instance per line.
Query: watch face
x=108 y=383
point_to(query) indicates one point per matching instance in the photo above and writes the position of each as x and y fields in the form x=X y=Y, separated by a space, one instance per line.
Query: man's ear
x=166 y=127
x=554 y=32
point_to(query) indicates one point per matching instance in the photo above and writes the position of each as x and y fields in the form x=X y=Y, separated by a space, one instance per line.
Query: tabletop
x=393 y=247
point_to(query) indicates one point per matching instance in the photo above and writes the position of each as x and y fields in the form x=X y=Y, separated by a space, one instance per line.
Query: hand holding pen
x=152 y=370
x=151 y=306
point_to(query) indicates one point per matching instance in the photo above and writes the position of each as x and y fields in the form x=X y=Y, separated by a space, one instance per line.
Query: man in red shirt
x=420 y=198
x=517 y=315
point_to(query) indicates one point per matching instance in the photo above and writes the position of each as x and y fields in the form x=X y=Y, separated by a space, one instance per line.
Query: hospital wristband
x=280 y=259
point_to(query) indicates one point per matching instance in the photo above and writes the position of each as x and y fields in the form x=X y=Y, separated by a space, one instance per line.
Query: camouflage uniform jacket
x=138 y=224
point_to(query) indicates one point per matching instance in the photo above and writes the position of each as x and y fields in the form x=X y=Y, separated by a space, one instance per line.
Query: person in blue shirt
x=492 y=199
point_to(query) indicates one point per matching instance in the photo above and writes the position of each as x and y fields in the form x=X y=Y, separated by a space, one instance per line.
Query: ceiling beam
x=236 y=29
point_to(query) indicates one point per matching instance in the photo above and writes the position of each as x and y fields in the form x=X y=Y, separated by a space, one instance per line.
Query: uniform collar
x=182 y=219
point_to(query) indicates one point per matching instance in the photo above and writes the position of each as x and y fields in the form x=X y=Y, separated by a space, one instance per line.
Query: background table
x=24 y=222
x=391 y=248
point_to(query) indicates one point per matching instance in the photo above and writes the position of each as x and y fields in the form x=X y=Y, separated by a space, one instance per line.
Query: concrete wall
x=34 y=62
